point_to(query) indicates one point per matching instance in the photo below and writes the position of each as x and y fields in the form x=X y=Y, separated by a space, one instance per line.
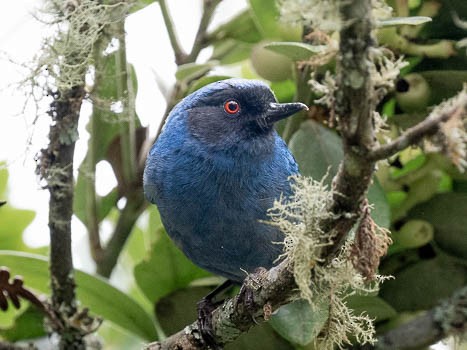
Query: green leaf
x=260 y=337
x=166 y=270
x=444 y=83
x=27 y=325
x=104 y=204
x=411 y=166
x=176 y=310
x=190 y=71
x=284 y=90
x=3 y=180
x=93 y=292
x=13 y=221
x=317 y=149
x=381 y=212
x=373 y=306
x=9 y=316
x=295 y=51
x=231 y=51
x=298 y=322
x=241 y=27
x=398 y=21
x=420 y=286
x=447 y=213
x=265 y=14
x=12 y=224
x=413 y=234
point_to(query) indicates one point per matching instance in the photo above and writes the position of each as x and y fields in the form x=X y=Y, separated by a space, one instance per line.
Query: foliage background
x=420 y=197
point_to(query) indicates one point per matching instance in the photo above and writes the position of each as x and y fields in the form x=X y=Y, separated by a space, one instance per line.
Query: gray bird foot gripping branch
x=205 y=308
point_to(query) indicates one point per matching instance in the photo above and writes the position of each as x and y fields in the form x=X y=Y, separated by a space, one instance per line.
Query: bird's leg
x=205 y=308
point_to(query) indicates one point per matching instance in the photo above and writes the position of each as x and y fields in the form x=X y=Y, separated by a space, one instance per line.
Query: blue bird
x=216 y=169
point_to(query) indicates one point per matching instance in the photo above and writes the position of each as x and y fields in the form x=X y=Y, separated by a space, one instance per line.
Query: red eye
x=231 y=107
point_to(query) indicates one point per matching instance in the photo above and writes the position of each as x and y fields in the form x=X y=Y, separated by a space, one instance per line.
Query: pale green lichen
x=385 y=67
x=300 y=218
x=320 y=14
x=335 y=282
x=66 y=56
x=451 y=138
x=323 y=15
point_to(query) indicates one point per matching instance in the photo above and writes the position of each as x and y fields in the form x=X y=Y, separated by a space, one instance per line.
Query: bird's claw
x=205 y=308
x=247 y=292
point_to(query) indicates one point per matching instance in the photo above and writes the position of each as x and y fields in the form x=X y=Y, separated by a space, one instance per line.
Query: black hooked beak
x=278 y=111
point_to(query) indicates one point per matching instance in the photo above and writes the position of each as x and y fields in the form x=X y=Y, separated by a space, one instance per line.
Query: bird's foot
x=248 y=290
x=205 y=308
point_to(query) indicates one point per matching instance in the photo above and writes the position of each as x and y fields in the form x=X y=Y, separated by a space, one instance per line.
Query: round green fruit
x=413 y=93
x=270 y=65
x=414 y=233
x=290 y=32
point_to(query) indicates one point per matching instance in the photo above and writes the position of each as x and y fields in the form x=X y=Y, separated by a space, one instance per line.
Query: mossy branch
x=412 y=136
x=261 y=293
x=448 y=318
x=56 y=167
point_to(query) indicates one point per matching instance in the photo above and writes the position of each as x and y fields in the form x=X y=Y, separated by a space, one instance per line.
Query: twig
x=180 y=55
x=134 y=206
x=200 y=39
x=416 y=133
x=447 y=318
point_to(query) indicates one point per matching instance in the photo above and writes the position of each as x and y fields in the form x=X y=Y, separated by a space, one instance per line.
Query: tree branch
x=56 y=167
x=261 y=293
x=447 y=318
x=134 y=206
x=200 y=39
x=180 y=55
x=426 y=128
x=354 y=107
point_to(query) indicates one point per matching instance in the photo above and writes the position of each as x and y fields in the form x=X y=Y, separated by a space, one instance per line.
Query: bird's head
x=235 y=109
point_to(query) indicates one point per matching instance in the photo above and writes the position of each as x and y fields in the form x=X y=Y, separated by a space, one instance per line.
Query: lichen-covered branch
x=355 y=104
x=56 y=166
x=262 y=293
x=64 y=62
x=448 y=318
x=458 y=109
